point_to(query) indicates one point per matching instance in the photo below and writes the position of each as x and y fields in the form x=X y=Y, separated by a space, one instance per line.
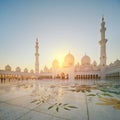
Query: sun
x=60 y=58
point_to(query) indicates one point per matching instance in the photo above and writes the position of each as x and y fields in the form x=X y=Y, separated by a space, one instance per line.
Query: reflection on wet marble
x=60 y=100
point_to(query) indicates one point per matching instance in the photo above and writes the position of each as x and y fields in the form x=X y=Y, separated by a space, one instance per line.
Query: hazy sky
x=61 y=26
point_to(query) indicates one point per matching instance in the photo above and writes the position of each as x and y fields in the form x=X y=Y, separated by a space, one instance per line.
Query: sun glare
x=60 y=58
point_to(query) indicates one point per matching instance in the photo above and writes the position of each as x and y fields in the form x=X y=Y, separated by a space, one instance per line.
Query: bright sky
x=61 y=26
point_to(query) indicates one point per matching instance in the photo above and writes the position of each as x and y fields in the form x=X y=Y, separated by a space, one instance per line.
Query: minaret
x=102 y=43
x=37 y=58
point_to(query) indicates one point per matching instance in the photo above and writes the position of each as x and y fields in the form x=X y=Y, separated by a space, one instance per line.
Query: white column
x=37 y=58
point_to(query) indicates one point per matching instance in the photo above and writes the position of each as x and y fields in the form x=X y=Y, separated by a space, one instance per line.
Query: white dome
x=18 y=69
x=31 y=71
x=46 y=69
x=26 y=70
x=85 y=60
x=7 y=68
x=55 y=64
x=117 y=62
x=68 y=60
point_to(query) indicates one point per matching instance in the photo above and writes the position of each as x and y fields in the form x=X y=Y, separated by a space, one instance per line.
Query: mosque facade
x=69 y=70
x=87 y=69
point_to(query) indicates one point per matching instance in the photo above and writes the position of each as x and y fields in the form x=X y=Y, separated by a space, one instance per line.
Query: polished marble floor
x=60 y=100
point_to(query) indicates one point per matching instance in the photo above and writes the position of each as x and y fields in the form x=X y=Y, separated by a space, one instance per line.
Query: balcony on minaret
x=103 y=42
x=36 y=54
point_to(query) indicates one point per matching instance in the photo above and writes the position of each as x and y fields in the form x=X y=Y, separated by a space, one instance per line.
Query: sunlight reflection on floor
x=59 y=100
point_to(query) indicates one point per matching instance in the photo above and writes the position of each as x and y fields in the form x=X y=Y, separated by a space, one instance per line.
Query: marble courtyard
x=60 y=100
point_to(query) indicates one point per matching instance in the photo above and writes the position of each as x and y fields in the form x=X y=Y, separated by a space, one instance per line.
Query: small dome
x=85 y=60
x=31 y=71
x=117 y=62
x=46 y=69
x=55 y=64
x=18 y=69
x=26 y=70
x=110 y=64
x=68 y=60
x=7 y=68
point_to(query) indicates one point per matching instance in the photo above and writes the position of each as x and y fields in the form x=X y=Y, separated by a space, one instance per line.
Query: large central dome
x=69 y=60
x=85 y=60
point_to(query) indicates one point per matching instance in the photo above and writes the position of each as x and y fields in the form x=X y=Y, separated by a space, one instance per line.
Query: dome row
x=18 y=69
x=69 y=61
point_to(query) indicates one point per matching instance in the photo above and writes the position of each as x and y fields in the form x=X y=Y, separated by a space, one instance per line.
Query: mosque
x=69 y=70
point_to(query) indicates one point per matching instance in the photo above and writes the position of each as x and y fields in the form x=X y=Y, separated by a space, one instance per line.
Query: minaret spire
x=102 y=43
x=102 y=18
x=37 y=57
